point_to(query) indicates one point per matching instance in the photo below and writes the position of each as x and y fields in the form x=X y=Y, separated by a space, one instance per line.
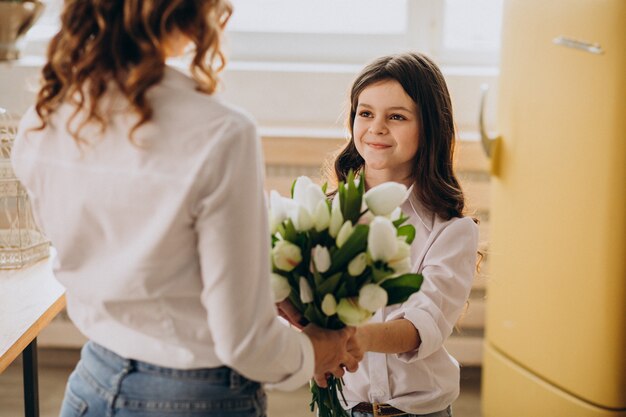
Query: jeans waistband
x=217 y=375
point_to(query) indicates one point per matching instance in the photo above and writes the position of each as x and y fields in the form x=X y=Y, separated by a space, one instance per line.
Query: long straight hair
x=122 y=43
x=436 y=185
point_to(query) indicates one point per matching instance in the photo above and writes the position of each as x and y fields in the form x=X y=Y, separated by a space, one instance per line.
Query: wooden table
x=29 y=299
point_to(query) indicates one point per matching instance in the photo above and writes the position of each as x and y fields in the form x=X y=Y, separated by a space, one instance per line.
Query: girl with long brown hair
x=402 y=129
x=151 y=190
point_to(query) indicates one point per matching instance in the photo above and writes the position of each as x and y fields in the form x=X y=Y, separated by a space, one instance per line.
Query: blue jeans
x=443 y=413
x=107 y=385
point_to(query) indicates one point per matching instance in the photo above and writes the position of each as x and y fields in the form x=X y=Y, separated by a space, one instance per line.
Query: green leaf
x=315 y=316
x=294 y=297
x=317 y=278
x=356 y=243
x=407 y=230
x=401 y=220
x=329 y=285
x=291 y=234
x=324 y=187
x=400 y=289
x=293 y=186
x=380 y=272
x=351 y=209
x=342 y=292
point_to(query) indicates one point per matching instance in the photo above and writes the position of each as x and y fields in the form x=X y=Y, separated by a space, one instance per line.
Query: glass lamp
x=21 y=241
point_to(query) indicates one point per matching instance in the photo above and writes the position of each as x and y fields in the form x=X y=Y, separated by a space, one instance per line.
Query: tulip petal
x=382 y=242
x=351 y=313
x=299 y=189
x=329 y=305
x=306 y=294
x=372 y=297
x=321 y=258
x=280 y=287
x=322 y=216
x=383 y=199
x=286 y=256
x=344 y=233
x=313 y=196
x=336 y=219
x=357 y=265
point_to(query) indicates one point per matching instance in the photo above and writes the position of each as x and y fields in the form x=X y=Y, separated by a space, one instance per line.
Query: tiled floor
x=56 y=365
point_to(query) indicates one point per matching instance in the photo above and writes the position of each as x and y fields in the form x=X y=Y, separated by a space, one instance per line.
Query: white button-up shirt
x=425 y=380
x=163 y=245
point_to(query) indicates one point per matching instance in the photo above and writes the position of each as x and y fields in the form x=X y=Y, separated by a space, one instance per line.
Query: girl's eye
x=397 y=117
x=365 y=114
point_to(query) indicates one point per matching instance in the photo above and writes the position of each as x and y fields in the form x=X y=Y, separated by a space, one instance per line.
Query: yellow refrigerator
x=555 y=342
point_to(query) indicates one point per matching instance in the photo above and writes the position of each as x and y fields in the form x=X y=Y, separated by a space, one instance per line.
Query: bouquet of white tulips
x=338 y=262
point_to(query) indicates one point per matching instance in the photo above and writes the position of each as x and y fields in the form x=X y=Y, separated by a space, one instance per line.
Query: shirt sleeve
x=233 y=245
x=448 y=270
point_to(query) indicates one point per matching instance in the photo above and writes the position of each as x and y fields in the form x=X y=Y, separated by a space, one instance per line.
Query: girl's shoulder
x=462 y=229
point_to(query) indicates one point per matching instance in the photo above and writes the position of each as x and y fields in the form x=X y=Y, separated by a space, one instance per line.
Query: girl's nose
x=377 y=127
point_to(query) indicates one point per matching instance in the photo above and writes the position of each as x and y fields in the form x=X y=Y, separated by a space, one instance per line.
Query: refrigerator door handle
x=490 y=145
x=593 y=48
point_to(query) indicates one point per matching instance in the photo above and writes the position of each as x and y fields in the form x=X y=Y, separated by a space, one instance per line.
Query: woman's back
x=127 y=244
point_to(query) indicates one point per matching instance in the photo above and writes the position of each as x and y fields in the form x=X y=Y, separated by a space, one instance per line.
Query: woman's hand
x=334 y=351
x=287 y=311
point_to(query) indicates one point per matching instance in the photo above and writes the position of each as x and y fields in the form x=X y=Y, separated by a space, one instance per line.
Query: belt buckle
x=378 y=408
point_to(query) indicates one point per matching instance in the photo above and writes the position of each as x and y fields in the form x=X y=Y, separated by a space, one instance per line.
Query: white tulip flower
x=381 y=239
x=404 y=251
x=300 y=217
x=321 y=258
x=329 y=305
x=279 y=209
x=351 y=313
x=306 y=293
x=401 y=266
x=280 y=287
x=300 y=189
x=395 y=214
x=286 y=256
x=344 y=233
x=383 y=199
x=321 y=217
x=401 y=261
x=357 y=265
x=312 y=197
x=336 y=217
x=372 y=297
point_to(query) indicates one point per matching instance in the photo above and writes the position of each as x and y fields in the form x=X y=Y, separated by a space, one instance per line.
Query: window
x=355 y=31
x=344 y=31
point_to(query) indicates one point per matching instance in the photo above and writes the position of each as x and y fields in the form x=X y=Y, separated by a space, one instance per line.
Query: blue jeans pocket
x=73 y=406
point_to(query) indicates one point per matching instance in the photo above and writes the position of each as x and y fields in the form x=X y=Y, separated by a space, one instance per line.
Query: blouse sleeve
x=233 y=245
x=448 y=270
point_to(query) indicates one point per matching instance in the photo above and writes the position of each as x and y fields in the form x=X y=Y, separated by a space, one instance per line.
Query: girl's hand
x=358 y=343
x=287 y=311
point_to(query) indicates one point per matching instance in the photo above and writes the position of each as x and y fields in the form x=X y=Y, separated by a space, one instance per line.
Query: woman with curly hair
x=151 y=190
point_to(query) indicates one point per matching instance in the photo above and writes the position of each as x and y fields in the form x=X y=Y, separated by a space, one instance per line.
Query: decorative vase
x=16 y=17
x=21 y=241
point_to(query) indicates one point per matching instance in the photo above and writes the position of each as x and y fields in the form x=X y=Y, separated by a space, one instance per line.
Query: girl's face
x=386 y=130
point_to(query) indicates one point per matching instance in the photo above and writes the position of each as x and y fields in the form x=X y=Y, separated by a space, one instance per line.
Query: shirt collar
x=413 y=206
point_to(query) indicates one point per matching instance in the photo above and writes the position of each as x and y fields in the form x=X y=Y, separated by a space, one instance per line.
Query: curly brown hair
x=435 y=182
x=121 y=43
